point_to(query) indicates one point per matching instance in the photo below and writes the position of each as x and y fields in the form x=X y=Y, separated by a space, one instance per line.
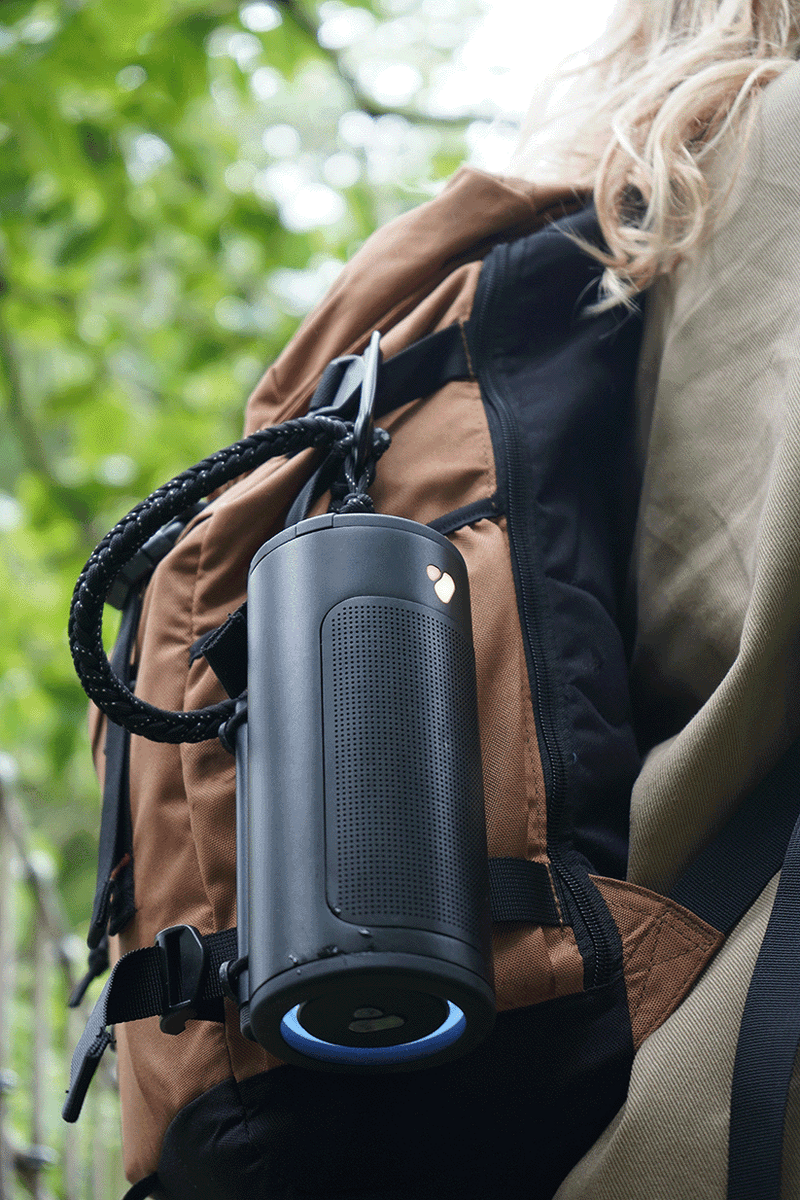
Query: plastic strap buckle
x=145 y=561
x=339 y=388
x=183 y=962
x=347 y=388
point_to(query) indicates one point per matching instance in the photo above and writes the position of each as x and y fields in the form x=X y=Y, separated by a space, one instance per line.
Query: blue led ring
x=451 y=1029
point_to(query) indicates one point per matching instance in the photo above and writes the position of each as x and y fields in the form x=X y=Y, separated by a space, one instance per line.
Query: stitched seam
x=692 y=936
x=489 y=467
x=465 y=344
x=555 y=893
x=536 y=833
x=646 y=969
x=698 y=937
x=193 y=625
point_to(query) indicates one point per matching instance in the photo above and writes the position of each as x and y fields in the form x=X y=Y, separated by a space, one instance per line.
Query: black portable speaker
x=363 y=891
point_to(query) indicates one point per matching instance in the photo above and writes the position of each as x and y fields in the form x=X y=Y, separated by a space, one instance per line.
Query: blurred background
x=180 y=181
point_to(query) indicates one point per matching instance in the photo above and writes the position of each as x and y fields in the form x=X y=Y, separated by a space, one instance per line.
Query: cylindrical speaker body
x=367 y=873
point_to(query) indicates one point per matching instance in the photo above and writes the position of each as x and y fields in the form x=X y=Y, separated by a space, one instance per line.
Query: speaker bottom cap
x=448 y=1033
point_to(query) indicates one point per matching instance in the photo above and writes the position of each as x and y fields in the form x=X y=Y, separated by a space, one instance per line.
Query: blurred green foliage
x=180 y=180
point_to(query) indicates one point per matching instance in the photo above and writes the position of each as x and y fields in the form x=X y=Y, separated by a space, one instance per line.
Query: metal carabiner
x=364 y=422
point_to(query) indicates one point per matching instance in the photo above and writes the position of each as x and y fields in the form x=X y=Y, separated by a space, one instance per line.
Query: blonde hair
x=637 y=118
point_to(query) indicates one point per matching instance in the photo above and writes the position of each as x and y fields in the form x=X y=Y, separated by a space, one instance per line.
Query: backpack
x=510 y=412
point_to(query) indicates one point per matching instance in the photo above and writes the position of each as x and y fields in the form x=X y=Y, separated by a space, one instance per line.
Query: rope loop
x=99 y=681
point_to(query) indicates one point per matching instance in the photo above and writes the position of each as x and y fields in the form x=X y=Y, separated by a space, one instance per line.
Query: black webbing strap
x=769 y=1037
x=419 y=370
x=729 y=875
x=726 y=878
x=521 y=890
x=315 y=486
x=485 y=509
x=225 y=651
x=145 y=983
x=114 y=900
x=141 y=1190
x=114 y=891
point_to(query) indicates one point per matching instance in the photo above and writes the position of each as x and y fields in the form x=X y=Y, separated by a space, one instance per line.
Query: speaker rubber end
x=449 y=1032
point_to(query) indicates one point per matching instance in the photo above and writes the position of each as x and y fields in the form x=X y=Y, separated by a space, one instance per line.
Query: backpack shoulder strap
x=726 y=878
x=114 y=903
x=769 y=1038
x=731 y=872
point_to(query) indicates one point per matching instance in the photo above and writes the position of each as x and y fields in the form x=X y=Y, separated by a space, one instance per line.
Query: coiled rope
x=127 y=537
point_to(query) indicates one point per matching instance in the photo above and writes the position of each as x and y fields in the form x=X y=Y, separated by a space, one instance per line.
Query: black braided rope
x=100 y=683
x=349 y=494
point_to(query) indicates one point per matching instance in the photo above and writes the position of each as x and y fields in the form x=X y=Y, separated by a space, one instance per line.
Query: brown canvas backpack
x=510 y=412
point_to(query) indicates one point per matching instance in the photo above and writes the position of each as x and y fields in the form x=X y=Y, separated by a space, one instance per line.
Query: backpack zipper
x=602 y=967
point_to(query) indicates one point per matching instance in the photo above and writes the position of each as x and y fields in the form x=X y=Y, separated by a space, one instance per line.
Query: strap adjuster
x=183 y=962
x=145 y=561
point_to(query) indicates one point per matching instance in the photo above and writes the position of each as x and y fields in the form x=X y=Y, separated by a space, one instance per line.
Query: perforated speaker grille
x=405 y=831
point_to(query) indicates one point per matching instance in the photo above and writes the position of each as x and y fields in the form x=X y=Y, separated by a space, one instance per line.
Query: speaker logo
x=443 y=584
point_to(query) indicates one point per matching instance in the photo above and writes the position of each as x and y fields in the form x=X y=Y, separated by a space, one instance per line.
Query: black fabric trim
x=499 y=452
x=508 y=1120
x=144 y=1188
x=768 y=1042
x=729 y=875
x=480 y=510
x=520 y=890
x=560 y=383
x=114 y=894
x=225 y=650
x=198 y=648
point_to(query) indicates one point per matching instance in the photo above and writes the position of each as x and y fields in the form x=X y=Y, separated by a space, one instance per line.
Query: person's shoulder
x=777 y=154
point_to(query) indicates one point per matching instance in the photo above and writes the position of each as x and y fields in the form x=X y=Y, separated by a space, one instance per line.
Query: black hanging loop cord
x=350 y=495
x=100 y=683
